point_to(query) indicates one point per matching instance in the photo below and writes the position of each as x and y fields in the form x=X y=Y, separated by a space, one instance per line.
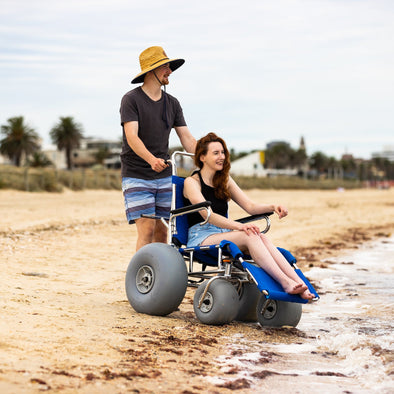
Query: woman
x=213 y=183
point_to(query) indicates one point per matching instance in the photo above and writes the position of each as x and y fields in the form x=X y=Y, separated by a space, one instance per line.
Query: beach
x=66 y=325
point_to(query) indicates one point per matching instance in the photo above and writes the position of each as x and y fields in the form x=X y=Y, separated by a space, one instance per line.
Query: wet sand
x=66 y=325
x=348 y=341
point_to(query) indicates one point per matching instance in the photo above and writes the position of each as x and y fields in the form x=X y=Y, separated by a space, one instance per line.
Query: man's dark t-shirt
x=154 y=127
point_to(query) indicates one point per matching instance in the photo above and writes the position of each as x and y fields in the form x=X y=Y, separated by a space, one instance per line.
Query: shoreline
x=67 y=325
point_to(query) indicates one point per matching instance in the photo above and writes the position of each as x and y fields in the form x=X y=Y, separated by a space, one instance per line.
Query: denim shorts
x=197 y=233
x=149 y=197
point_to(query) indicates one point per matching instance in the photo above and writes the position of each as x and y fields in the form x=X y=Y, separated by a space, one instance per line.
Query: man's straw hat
x=152 y=58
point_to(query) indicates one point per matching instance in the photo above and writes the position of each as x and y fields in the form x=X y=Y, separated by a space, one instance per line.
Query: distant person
x=147 y=116
x=213 y=183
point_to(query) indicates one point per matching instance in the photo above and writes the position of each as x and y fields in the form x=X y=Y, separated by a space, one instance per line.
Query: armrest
x=190 y=208
x=254 y=217
x=257 y=217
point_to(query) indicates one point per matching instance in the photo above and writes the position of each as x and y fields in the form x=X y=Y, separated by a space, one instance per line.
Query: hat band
x=164 y=58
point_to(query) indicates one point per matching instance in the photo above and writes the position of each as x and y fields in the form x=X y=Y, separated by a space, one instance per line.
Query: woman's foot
x=307 y=295
x=295 y=288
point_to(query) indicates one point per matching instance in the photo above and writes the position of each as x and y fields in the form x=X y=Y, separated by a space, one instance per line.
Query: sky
x=255 y=70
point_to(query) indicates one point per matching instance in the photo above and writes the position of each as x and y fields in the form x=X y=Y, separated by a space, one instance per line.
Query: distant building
x=302 y=144
x=58 y=158
x=5 y=160
x=85 y=155
x=386 y=153
x=253 y=165
x=347 y=156
x=303 y=168
x=250 y=165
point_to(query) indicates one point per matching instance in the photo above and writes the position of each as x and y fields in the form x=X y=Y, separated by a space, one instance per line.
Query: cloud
x=255 y=71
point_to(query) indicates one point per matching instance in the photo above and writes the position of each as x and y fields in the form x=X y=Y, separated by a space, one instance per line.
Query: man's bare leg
x=160 y=232
x=150 y=230
x=145 y=231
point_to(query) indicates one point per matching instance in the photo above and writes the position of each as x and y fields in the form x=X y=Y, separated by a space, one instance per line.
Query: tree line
x=19 y=141
x=318 y=164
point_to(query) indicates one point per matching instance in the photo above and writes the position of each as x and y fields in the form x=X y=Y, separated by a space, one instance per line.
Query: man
x=147 y=116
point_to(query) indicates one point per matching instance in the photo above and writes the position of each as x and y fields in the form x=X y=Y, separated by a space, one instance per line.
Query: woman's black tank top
x=218 y=206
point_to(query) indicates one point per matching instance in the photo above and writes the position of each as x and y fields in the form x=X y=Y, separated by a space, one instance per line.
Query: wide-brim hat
x=152 y=58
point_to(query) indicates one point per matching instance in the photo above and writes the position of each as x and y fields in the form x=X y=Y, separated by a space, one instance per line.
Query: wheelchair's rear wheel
x=248 y=299
x=278 y=313
x=156 y=279
x=220 y=304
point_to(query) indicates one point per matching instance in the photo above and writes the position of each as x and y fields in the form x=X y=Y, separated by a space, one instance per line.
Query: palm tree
x=20 y=139
x=66 y=135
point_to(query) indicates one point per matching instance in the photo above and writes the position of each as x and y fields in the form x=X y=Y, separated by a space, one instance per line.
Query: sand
x=66 y=325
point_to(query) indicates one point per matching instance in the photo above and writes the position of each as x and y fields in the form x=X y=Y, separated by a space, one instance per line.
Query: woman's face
x=215 y=156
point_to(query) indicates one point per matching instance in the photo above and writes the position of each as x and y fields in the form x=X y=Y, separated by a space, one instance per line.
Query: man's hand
x=158 y=164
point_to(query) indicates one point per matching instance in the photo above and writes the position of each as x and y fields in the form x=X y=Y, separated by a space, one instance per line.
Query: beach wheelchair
x=229 y=285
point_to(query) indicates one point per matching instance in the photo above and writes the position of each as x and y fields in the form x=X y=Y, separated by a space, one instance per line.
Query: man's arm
x=186 y=138
x=135 y=143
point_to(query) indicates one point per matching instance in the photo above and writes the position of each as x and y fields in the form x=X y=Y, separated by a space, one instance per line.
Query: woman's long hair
x=220 y=179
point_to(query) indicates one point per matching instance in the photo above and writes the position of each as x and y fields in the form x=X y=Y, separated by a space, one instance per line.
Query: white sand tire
x=248 y=299
x=220 y=304
x=156 y=279
x=278 y=313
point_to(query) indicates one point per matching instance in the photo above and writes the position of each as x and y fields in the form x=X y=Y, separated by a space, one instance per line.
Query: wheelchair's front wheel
x=278 y=313
x=156 y=279
x=220 y=304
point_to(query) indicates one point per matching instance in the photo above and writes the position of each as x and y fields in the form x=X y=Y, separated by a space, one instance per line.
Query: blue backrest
x=182 y=225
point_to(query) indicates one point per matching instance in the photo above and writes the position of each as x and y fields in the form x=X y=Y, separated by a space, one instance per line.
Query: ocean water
x=344 y=343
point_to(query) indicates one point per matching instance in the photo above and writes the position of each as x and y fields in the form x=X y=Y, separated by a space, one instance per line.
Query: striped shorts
x=149 y=197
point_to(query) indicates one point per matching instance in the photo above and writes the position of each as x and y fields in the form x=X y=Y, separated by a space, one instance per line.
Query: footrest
x=272 y=287
x=306 y=281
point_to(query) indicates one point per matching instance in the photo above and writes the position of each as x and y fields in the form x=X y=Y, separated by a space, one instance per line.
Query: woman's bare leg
x=280 y=259
x=285 y=266
x=261 y=255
